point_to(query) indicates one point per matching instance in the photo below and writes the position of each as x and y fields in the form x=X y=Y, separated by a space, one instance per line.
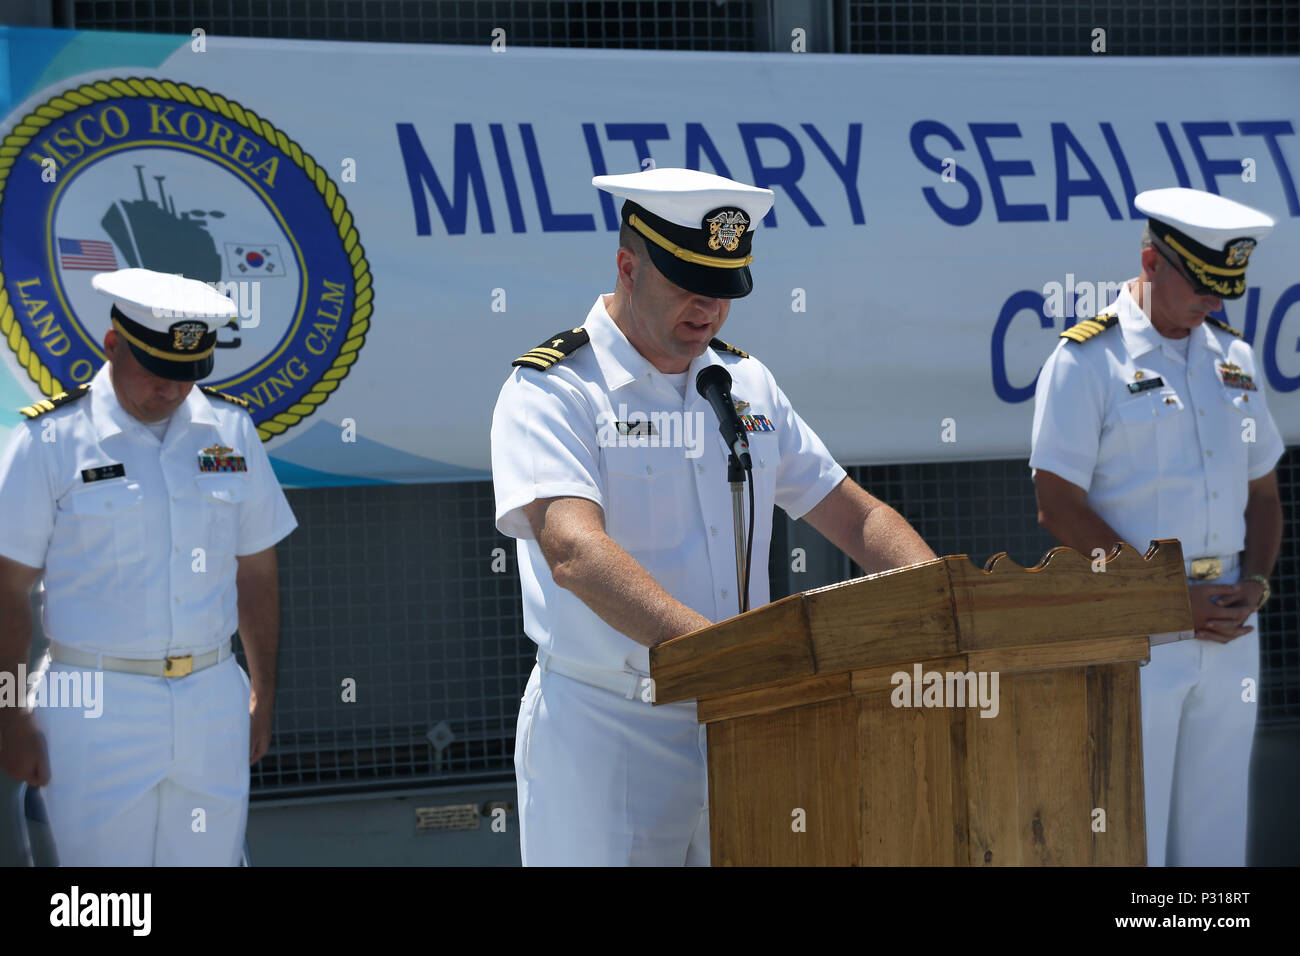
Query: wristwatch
x=1263 y=582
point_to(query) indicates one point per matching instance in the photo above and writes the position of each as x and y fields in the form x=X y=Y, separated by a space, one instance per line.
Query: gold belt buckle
x=1203 y=569
x=178 y=666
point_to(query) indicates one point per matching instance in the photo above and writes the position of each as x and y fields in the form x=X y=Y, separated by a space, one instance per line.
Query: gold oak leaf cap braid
x=36 y=409
x=554 y=350
x=720 y=346
x=1090 y=327
x=224 y=396
x=1224 y=326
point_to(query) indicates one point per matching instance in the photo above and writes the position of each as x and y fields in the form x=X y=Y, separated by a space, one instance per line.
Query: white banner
x=398 y=223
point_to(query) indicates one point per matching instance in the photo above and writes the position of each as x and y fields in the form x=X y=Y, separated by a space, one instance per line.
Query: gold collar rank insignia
x=725 y=229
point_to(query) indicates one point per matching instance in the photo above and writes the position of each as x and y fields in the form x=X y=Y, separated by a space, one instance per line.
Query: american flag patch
x=757 y=423
x=87 y=254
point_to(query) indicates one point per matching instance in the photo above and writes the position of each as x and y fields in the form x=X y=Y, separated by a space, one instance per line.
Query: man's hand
x=22 y=750
x=1219 y=610
x=259 y=728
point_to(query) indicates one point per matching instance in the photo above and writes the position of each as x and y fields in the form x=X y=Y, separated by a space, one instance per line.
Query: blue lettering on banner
x=1093 y=185
x=786 y=176
x=996 y=170
x=598 y=168
x=467 y=172
x=699 y=143
x=1026 y=300
x=1175 y=160
x=846 y=169
x=1276 y=377
x=640 y=134
x=507 y=170
x=1270 y=130
x=1121 y=164
x=1068 y=149
x=953 y=216
x=1031 y=301
x=1211 y=169
x=551 y=221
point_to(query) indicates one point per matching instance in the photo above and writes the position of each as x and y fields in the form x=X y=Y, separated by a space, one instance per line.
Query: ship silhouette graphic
x=150 y=235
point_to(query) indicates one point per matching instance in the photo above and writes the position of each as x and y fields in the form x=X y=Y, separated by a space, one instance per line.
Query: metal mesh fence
x=1068 y=27
x=402 y=656
x=644 y=24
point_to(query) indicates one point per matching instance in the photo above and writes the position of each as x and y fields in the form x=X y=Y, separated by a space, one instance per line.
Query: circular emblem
x=147 y=173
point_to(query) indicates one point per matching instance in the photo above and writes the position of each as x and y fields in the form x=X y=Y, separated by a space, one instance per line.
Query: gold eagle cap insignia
x=1239 y=252
x=726 y=228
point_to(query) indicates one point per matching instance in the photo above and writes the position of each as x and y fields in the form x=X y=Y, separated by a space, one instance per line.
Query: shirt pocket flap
x=1149 y=407
x=105 y=499
x=229 y=488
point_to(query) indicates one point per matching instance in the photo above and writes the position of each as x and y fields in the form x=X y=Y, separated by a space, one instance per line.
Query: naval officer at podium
x=609 y=469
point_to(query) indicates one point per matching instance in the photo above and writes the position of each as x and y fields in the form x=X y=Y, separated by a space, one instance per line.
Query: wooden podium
x=846 y=724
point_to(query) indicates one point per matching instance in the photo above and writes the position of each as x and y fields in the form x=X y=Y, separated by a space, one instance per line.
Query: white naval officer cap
x=698 y=226
x=170 y=322
x=1212 y=235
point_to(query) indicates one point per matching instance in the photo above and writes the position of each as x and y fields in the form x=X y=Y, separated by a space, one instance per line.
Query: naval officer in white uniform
x=1150 y=421
x=149 y=508
x=609 y=470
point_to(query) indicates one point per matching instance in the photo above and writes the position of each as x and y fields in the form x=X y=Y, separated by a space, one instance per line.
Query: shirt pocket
x=1149 y=407
x=649 y=498
x=109 y=520
x=220 y=497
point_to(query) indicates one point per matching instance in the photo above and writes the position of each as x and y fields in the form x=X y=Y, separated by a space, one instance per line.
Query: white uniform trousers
x=608 y=781
x=1197 y=734
x=125 y=786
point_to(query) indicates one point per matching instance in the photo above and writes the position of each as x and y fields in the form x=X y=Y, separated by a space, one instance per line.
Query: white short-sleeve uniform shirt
x=575 y=430
x=1164 y=445
x=138 y=537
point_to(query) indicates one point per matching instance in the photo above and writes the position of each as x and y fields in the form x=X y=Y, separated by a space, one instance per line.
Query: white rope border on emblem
x=85 y=95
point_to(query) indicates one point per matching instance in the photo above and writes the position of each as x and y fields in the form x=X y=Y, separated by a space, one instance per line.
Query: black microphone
x=714 y=383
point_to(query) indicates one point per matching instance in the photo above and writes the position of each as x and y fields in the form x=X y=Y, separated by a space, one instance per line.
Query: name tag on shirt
x=103 y=473
x=1145 y=384
x=641 y=429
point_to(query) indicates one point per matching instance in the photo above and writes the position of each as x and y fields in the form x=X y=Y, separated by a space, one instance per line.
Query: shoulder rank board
x=720 y=346
x=233 y=399
x=1090 y=327
x=50 y=404
x=1224 y=327
x=554 y=350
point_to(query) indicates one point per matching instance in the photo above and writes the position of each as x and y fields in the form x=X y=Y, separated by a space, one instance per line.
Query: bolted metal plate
x=453 y=816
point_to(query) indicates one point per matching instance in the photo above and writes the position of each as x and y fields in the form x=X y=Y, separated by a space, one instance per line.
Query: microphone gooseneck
x=714 y=383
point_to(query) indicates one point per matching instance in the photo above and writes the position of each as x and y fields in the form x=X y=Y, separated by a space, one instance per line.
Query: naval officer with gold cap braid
x=1150 y=421
x=149 y=509
x=609 y=470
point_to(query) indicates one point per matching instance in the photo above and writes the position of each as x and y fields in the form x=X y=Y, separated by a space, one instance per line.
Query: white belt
x=1207 y=569
x=168 y=667
x=626 y=683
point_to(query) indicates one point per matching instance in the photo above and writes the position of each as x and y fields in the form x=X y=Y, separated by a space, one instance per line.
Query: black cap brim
x=174 y=371
x=702 y=280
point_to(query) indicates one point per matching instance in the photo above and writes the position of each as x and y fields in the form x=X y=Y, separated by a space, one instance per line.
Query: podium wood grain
x=812 y=762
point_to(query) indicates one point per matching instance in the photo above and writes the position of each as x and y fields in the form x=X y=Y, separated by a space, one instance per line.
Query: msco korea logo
x=142 y=172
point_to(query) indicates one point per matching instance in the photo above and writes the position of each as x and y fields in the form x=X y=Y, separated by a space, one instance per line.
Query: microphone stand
x=736 y=477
